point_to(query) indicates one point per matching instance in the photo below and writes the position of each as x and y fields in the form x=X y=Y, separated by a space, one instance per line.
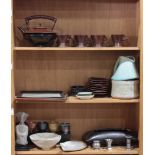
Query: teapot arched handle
x=53 y=19
x=131 y=58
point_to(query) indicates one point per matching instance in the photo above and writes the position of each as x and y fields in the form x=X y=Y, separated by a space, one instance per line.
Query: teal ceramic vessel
x=125 y=69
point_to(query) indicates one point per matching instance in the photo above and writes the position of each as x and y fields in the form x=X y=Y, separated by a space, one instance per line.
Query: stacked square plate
x=101 y=87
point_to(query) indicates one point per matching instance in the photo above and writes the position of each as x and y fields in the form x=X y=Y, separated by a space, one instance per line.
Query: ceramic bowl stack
x=125 y=83
x=101 y=87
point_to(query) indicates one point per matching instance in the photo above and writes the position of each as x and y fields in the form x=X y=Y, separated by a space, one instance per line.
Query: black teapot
x=39 y=35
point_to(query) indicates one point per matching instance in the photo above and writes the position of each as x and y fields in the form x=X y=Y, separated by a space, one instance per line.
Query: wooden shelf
x=101 y=100
x=115 y=150
x=76 y=49
x=74 y=100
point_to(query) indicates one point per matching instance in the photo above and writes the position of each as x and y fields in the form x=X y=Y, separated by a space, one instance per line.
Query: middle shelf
x=74 y=100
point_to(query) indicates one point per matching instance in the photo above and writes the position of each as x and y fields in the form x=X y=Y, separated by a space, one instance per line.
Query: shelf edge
x=76 y=49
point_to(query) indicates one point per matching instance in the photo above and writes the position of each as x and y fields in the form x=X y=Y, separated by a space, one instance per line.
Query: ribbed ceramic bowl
x=125 y=89
x=45 y=140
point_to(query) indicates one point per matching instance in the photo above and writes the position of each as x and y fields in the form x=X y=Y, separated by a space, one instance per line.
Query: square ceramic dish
x=85 y=95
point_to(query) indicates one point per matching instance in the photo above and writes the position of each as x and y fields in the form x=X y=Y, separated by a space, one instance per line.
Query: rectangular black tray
x=41 y=96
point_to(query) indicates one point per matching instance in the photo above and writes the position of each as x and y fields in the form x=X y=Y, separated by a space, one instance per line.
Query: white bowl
x=45 y=140
x=88 y=97
x=85 y=95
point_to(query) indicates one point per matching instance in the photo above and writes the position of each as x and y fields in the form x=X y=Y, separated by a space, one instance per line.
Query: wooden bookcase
x=53 y=68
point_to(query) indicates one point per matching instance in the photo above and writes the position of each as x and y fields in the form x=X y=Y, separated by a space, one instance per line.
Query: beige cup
x=53 y=126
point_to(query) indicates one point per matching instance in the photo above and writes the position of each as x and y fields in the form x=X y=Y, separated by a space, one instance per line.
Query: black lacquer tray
x=41 y=96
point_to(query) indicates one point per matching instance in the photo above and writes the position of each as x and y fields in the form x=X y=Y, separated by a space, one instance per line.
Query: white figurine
x=21 y=129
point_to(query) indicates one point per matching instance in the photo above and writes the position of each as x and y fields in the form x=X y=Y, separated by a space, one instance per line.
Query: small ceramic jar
x=32 y=126
x=65 y=128
x=53 y=126
x=128 y=142
x=42 y=126
x=96 y=144
x=109 y=143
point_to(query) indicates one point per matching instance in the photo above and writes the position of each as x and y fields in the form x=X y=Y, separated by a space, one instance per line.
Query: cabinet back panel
x=82 y=16
x=84 y=117
x=60 y=70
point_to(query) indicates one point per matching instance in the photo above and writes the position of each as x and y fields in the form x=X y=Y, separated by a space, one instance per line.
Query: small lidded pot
x=53 y=126
x=96 y=144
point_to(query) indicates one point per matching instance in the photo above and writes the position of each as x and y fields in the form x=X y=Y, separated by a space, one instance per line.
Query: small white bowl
x=45 y=140
x=87 y=97
x=84 y=93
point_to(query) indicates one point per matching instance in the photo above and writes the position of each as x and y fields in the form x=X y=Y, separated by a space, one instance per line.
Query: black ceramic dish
x=38 y=35
x=117 y=135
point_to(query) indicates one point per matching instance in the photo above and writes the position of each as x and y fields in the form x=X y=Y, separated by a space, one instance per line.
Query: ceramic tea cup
x=53 y=126
x=32 y=126
x=42 y=126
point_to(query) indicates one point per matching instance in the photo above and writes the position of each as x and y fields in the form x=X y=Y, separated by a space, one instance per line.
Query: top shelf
x=76 y=49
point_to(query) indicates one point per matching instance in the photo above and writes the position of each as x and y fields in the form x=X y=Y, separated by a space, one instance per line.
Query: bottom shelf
x=115 y=150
